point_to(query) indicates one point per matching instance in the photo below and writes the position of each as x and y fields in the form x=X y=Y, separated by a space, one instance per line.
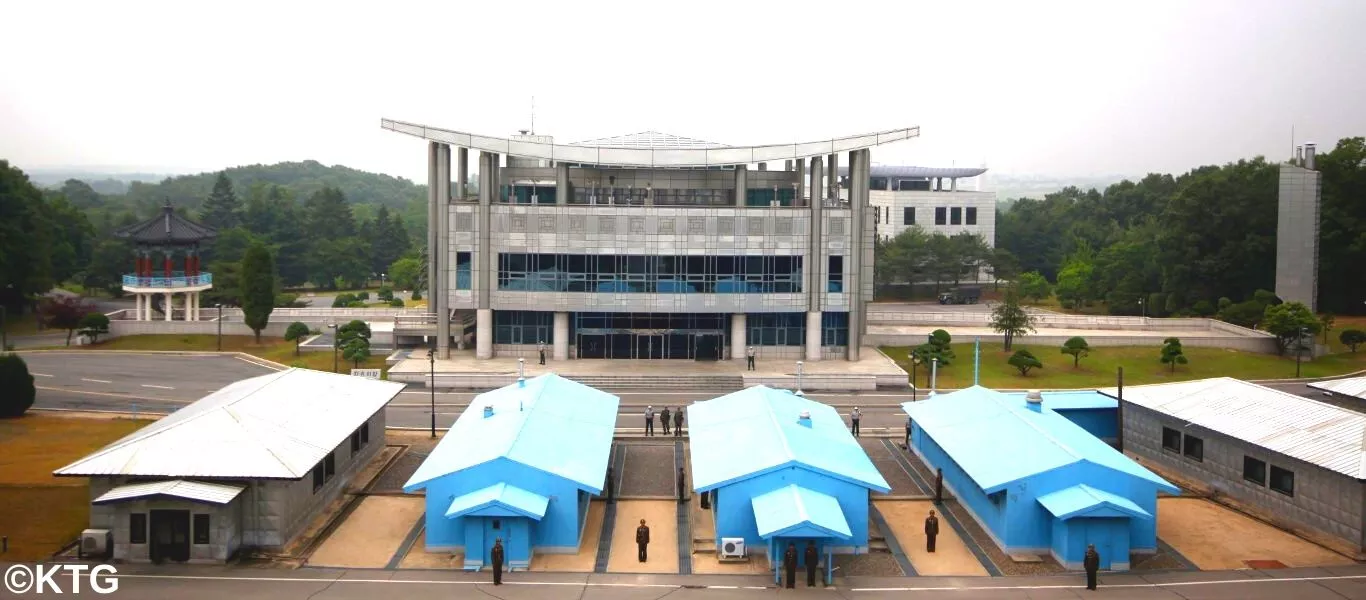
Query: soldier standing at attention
x=608 y=487
x=540 y=348
x=790 y=565
x=682 y=485
x=1091 y=562
x=664 y=418
x=649 y=420
x=497 y=558
x=908 y=434
x=749 y=358
x=931 y=530
x=812 y=558
x=642 y=540
x=678 y=421
x=853 y=420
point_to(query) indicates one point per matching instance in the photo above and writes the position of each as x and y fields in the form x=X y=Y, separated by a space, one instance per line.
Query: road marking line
x=114 y=395
x=259 y=364
x=96 y=380
x=159 y=387
x=40 y=375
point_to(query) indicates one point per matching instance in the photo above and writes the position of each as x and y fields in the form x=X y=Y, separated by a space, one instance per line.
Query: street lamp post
x=915 y=362
x=800 y=367
x=381 y=280
x=431 y=384
x=1142 y=308
x=521 y=371
x=1299 y=349
x=220 y=326
x=335 y=345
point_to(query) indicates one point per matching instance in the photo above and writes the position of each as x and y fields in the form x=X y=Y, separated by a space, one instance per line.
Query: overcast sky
x=1060 y=88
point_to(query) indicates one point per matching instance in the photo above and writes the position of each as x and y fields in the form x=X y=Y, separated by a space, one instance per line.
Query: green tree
x=1352 y=338
x=1004 y=266
x=1290 y=322
x=258 y=288
x=328 y=215
x=938 y=346
x=1342 y=233
x=296 y=332
x=93 y=325
x=1077 y=347
x=403 y=272
x=1024 y=360
x=64 y=312
x=354 y=340
x=1074 y=283
x=341 y=259
x=26 y=236
x=222 y=209
x=1011 y=319
x=388 y=240
x=1172 y=354
x=17 y=383
x=1244 y=314
x=1326 y=322
x=1033 y=287
x=396 y=302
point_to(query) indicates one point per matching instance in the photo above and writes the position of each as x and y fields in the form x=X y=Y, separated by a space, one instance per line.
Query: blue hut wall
x=734 y=512
x=1099 y=422
x=558 y=532
x=1109 y=534
x=480 y=535
x=1014 y=518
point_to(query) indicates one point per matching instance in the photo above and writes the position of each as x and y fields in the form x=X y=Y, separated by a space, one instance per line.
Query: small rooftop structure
x=275 y=426
x=167 y=228
x=1351 y=386
x=1315 y=432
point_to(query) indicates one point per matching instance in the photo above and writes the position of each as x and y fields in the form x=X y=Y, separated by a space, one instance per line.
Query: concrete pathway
x=1214 y=537
x=662 y=554
x=371 y=534
x=906 y=518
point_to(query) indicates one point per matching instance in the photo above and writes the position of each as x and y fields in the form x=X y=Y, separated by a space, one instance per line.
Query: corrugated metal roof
x=1314 y=432
x=1352 y=386
x=273 y=426
x=793 y=507
x=213 y=493
x=553 y=424
x=503 y=498
x=978 y=427
x=755 y=430
x=1083 y=500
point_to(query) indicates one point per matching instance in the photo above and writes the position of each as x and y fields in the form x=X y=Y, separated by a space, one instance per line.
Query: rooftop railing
x=178 y=279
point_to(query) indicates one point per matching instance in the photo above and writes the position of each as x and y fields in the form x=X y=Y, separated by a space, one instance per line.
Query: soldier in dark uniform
x=812 y=558
x=649 y=420
x=497 y=558
x=540 y=349
x=608 y=487
x=1092 y=564
x=938 y=486
x=642 y=540
x=678 y=421
x=931 y=530
x=706 y=500
x=790 y=566
x=664 y=418
x=682 y=483
x=908 y=434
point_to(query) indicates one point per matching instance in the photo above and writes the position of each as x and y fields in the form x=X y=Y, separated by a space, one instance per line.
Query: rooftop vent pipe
x=1034 y=400
x=804 y=419
x=488 y=411
x=1309 y=156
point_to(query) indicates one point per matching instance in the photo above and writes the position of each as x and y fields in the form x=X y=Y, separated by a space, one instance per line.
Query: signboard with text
x=366 y=373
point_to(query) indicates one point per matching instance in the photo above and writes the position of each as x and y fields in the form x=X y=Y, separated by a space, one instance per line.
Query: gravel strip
x=872 y=564
x=393 y=478
x=649 y=471
x=891 y=470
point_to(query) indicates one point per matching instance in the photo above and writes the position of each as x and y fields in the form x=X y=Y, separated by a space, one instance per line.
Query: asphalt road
x=177 y=582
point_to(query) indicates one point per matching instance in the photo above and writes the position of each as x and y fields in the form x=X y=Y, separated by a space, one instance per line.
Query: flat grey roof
x=909 y=171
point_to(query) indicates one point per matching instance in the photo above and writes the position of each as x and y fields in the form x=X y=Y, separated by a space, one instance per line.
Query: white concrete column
x=198 y=304
x=737 y=336
x=441 y=299
x=483 y=331
x=833 y=177
x=801 y=182
x=137 y=310
x=953 y=184
x=169 y=310
x=192 y=306
x=562 y=183
x=741 y=185
x=813 y=336
x=560 y=337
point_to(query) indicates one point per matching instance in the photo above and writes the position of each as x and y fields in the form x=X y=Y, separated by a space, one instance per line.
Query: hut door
x=170 y=535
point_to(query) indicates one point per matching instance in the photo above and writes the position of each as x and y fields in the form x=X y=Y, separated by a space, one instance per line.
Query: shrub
x=356 y=304
x=385 y=293
x=343 y=300
x=296 y=333
x=93 y=325
x=417 y=295
x=363 y=296
x=1352 y=338
x=17 y=384
x=1024 y=360
x=1077 y=347
x=396 y=303
x=1203 y=308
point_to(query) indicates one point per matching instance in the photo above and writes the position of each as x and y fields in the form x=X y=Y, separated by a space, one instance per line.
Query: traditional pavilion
x=168 y=236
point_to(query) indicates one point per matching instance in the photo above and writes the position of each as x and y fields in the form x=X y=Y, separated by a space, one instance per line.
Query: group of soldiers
x=665 y=415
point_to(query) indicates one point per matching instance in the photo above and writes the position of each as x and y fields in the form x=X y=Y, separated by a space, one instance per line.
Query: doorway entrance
x=650 y=336
x=170 y=535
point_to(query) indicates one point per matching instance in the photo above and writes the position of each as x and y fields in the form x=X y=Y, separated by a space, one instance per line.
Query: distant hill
x=1010 y=187
x=102 y=182
x=303 y=178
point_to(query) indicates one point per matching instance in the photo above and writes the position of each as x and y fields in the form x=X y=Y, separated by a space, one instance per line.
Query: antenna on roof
x=533 y=115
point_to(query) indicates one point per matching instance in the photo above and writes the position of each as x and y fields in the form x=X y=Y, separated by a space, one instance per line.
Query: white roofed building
x=1291 y=460
x=247 y=466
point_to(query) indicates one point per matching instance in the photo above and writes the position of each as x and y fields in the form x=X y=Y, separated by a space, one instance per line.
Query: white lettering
x=76 y=571
x=44 y=578
x=96 y=584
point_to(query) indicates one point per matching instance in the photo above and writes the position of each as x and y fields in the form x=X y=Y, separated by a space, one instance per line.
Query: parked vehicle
x=961 y=295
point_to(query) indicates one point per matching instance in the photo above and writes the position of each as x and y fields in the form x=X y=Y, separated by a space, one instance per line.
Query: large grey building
x=649 y=245
x=1293 y=461
x=249 y=466
x=1297 y=230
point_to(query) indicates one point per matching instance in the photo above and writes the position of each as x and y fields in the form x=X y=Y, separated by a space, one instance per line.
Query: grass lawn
x=274 y=349
x=1140 y=366
x=23 y=325
x=41 y=513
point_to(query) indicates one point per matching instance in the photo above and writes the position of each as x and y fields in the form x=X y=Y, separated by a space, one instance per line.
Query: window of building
x=137 y=528
x=1171 y=439
x=649 y=274
x=1283 y=480
x=941 y=215
x=877 y=216
x=318 y=477
x=971 y=215
x=887 y=214
x=1193 y=448
x=766 y=196
x=522 y=326
x=463 y=279
x=1254 y=470
x=776 y=329
x=355 y=442
x=835 y=329
x=836 y=273
x=365 y=433
x=497 y=524
x=955 y=216
x=916 y=185
x=201 y=529
x=329 y=467
x=908 y=215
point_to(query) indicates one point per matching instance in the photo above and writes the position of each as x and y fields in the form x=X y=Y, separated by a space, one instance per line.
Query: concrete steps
x=609 y=382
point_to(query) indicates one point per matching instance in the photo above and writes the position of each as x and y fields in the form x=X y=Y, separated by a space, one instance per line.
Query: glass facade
x=836 y=273
x=765 y=197
x=835 y=329
x=649 y=274
x=463 y=279
x=522 y=326
x=662 y=197
x=527 y=194
x=776 y=329
x=692 y=336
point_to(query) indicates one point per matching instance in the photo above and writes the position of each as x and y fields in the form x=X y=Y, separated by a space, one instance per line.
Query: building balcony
x=177 y=281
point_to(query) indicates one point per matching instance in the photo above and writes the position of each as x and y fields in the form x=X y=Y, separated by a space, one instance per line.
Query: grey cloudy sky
x=1063 y=88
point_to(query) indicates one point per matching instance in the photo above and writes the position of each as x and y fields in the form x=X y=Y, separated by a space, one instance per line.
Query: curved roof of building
x=909 y=171
x=167 y=228
x=649 y=149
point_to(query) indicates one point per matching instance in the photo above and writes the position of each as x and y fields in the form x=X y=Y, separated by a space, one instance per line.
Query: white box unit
x=96 y=543
x=732 y=547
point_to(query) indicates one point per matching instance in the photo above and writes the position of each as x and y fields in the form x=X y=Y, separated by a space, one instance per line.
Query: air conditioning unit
x=732 y=547
x=96 y=543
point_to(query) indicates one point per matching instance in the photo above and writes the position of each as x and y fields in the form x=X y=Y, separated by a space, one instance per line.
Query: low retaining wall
x=122 y=328
x=1046 y=320
x=1262 y=345
x=840 y=383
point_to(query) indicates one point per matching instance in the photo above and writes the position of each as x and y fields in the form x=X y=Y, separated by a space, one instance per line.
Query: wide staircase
x=632 y=381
